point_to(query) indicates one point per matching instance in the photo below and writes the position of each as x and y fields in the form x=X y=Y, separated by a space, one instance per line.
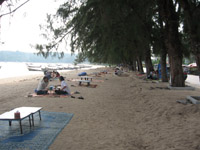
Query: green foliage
x=190 y=14
x=104 y=31
x=109 y=31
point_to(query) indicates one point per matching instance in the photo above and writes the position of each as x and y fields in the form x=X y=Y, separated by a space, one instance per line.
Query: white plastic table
x=86 y=78
x=84 y=81
x=24 y=113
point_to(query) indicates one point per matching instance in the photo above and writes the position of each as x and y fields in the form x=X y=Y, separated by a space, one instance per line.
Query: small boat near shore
x=51 y=66
x=34 y=69
x=30 y=65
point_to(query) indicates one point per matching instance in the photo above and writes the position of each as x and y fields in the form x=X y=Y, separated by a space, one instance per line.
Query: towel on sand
x=76 y=80
x=89 y=86
x=51 y=95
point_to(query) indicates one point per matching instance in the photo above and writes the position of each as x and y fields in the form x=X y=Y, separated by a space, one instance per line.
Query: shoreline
x=40 y=75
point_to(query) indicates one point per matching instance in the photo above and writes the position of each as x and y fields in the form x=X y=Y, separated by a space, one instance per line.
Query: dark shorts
x=42 y=92
x=60 y=92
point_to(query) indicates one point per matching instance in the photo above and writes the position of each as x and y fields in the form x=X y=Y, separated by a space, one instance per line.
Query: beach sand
x=121 y=113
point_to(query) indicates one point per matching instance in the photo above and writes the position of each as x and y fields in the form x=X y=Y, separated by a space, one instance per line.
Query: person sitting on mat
x=64 y=87
x=42 y=86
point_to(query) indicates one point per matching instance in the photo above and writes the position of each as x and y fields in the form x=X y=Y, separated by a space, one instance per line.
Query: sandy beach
x=121 y=113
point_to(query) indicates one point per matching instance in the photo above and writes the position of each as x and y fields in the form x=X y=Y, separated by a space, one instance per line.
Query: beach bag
x=82 y=74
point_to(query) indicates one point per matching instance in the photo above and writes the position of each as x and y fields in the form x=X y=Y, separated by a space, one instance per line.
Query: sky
x=21 y=30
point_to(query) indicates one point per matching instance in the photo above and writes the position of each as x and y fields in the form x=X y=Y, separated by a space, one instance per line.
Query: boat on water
x=70 y=67
x=34 y=69
x=59 y=67
x=33 y=65
x=52 y=67
x=84 y=66
x=55 y=67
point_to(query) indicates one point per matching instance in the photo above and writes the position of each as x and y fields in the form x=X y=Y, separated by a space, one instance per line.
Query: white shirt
x=63 y=84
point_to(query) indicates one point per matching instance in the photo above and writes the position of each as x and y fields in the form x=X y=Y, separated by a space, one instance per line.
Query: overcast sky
x=21 y=30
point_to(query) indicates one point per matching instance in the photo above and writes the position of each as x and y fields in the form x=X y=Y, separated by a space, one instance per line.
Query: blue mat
x=38 y=137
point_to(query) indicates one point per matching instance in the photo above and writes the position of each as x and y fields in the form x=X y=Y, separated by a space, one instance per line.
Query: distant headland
x=17 y=56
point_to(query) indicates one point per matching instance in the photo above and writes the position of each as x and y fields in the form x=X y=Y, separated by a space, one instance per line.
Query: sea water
x=19 y=69
x=15 y=69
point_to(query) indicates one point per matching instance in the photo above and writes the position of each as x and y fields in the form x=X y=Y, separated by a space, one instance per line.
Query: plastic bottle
x=17 y=115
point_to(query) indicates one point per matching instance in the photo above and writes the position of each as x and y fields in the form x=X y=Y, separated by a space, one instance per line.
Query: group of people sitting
x=42 y=88
x=153 y=75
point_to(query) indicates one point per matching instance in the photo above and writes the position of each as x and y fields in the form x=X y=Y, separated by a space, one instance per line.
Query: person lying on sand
x=42 y=86
x=64 y=89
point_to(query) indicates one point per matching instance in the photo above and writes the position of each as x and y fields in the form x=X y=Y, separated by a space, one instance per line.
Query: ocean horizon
x=19 y=69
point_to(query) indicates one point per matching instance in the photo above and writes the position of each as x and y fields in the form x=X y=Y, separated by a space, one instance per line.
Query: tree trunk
x=191 y=15
x=1 y=2
x=176 y=71
x=133 y=65
x=139 y=62
x=197 y=58
x=163 y=52
x=163 y=66
x=174 y=47
x=173 y=43
x=196 y=52
x=148 y=62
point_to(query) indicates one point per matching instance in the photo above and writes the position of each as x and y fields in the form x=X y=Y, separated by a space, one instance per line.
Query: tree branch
x=14 y=9
x=60 y=40
x=1 y=1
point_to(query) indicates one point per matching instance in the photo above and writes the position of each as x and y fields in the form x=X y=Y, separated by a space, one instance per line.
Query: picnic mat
x=93 y=80
x=38 y=137
x=48 y=95
x=89 y=86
